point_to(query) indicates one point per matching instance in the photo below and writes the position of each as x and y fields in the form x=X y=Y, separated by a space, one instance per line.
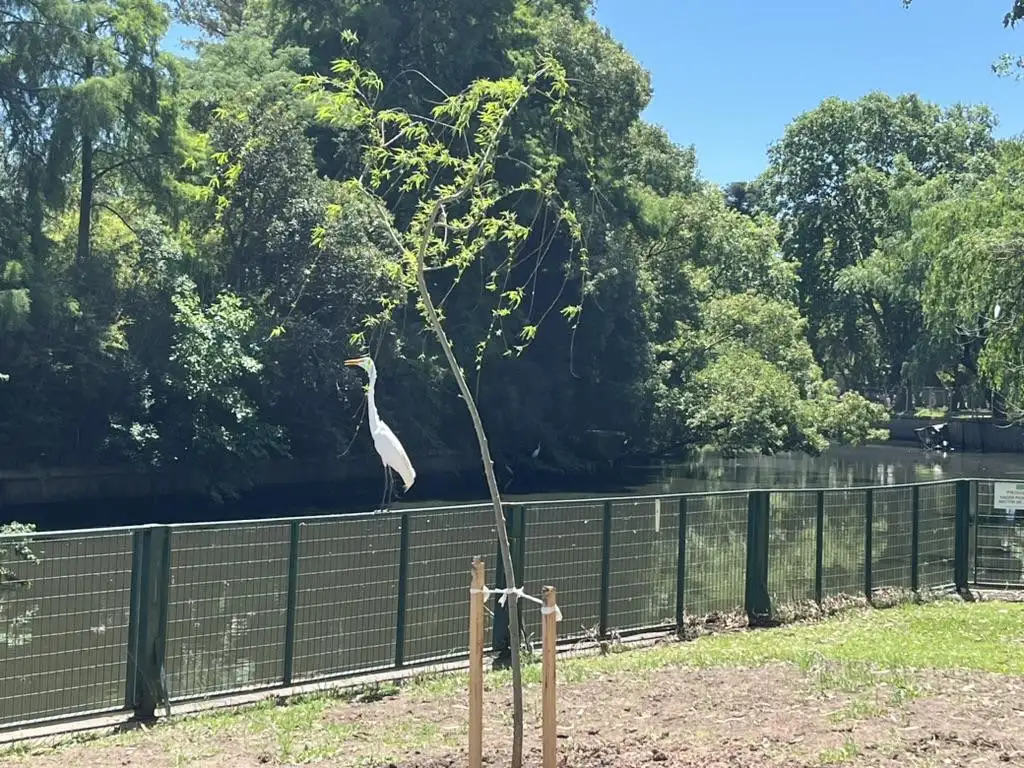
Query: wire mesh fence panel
x=563 y=548
x=442 y=545
x=892 y=538
x=998 y=541
x=984 y=496
x=791 y=546
x=64 y=643
x=346 y=595
x=937 y=535
x=716 y=553
x=843 y=540
x=644 y=553
x=226 y=608
x=64 y=631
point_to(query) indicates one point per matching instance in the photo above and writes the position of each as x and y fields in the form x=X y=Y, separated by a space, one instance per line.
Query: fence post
x=403 y=587
x=973 y=564
x=915 y=539
x=293 y=593
x=515 y=525
x=519 y=560
x=606 y=567
x=962 y=535
x=135 y=602
x=519 y=554
x=869 y=542
x=499 y=624
x=681 y=569
x=819 y=548
x=151 y=579
x=757 y=599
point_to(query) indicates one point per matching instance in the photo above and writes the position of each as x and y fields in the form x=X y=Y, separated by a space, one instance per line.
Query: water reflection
x=840 y=467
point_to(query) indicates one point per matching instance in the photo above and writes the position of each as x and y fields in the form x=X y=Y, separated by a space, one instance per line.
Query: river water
x=842 y=466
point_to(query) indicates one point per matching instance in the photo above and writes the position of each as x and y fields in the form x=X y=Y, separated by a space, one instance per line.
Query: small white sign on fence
x=1008 y=496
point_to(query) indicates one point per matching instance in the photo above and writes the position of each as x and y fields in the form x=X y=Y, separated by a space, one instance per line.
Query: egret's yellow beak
x=354 y=361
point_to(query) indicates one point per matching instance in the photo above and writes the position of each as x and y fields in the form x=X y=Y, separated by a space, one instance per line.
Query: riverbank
x=974 y=434
x=60 y=484
x=320 y=482
x=73 y=498
x=98 y=498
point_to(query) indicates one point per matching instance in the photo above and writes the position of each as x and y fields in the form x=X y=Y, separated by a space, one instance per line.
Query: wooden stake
x=476 y=664
x=549 y=634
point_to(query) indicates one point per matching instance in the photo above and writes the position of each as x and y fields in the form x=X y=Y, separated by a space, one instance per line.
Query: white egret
x=388 y=446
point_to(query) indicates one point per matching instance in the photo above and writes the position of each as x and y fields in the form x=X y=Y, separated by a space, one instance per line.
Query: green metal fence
x=110 y=619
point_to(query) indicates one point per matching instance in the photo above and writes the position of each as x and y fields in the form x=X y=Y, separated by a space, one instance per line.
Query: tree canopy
x=185 y=262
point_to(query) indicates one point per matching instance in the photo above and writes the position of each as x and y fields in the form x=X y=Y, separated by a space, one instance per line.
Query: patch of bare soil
x=679 y=718
x=772 y=716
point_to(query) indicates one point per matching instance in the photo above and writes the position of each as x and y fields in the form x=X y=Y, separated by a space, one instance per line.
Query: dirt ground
x=777 y=715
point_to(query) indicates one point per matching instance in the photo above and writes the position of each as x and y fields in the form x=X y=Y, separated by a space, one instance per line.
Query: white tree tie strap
x=518 y=592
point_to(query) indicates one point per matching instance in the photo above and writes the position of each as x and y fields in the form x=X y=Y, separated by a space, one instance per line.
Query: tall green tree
x=308 y=279
x=219 y=19
x=89 y=119
x=96 y=86
x=974 y=290
x=734 y=369
x=743 y=196
x=829 y=183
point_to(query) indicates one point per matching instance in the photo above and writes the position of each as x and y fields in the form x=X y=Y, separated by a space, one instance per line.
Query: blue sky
x=729 y=75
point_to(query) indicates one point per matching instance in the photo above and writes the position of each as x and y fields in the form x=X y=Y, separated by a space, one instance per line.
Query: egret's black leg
x=389 y=490
x=387 y=478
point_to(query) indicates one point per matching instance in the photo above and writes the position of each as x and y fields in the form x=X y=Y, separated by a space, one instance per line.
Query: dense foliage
x=184 y=265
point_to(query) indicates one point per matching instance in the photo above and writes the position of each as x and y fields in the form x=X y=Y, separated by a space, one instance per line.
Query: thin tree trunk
x=85 y=203
x=499 y=517
x=86 y=191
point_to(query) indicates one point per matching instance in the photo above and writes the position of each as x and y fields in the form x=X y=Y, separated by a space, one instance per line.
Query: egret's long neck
x=371 y=400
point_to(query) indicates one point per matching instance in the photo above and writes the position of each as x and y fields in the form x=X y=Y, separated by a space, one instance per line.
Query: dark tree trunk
x=86 y=191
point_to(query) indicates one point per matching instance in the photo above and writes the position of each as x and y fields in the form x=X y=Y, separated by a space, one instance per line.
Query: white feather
x=388 y=446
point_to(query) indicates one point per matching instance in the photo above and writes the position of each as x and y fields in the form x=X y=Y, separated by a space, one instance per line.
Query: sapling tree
x=457 y=212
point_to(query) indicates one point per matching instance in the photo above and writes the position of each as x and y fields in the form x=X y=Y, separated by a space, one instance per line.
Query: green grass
x=877 y=691
x=871 y=654
x=839 y=755
x=943 y=635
